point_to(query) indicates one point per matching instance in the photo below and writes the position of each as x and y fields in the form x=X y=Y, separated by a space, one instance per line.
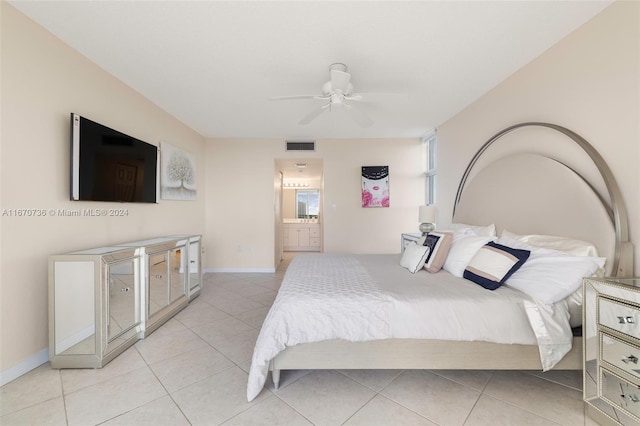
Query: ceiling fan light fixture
x=338 y=66
x=337 y=92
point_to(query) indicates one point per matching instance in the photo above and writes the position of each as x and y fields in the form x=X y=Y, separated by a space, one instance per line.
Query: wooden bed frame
x=602 y=220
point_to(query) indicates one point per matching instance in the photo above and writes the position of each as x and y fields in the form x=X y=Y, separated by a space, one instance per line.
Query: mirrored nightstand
x=407 y=239
x=611 y=336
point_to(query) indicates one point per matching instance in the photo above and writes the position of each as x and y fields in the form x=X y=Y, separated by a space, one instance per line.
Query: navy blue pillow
x=493 y=264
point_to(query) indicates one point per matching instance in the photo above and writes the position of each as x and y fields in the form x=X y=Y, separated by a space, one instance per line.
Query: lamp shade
x=427 y=214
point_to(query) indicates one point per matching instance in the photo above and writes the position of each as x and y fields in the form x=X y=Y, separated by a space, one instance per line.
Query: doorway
x=299 y=218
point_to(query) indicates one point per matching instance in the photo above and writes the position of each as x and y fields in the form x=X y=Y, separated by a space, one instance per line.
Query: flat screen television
x=107 y=165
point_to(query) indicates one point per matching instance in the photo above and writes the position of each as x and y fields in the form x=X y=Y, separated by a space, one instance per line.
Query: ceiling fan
x=337 y=93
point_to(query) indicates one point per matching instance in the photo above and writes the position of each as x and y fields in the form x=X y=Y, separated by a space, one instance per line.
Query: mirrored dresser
x=102 y=300
x=611 y=336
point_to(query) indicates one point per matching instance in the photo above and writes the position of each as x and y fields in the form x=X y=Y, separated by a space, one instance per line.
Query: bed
x=369 y=312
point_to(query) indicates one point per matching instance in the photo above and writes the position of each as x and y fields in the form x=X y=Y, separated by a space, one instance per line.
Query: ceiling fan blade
x=286 y=98
x=358 y=116
x=355 y=97
x=379 y=97
x=340 y=81
x=313 y=114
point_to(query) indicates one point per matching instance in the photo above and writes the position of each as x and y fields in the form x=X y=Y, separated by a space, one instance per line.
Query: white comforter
x=370 y=297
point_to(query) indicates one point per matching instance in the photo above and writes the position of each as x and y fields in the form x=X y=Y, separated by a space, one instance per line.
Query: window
x=430 y=175
x=307 y=203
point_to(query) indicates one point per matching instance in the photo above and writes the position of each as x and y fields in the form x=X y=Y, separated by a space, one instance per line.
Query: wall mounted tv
x=107 y=165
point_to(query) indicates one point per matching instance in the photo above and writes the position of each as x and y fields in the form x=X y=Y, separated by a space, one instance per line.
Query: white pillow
x=574 y=303
x=563 y=244
x=414 y=257
x=550 y=275
x=463 y=247
x=482 y=231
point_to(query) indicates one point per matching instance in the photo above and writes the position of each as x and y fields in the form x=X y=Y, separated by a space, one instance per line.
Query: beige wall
x=240 y=198
x=588 y=82
x=43 y=81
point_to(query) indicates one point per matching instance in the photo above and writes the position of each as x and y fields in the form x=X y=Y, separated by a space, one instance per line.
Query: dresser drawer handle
x=626 y=320
x=630 y=358
x=632 y=397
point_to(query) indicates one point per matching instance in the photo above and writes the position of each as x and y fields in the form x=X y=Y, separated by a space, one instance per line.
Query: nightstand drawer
x=621 y=354
x=619 y=316
x=407 y=239
x=619 y=392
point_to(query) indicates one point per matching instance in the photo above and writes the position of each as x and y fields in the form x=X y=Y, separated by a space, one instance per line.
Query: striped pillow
x=439 y=244
x=493 y=264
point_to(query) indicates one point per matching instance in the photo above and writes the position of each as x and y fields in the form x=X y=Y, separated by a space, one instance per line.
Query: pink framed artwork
x=375 y=186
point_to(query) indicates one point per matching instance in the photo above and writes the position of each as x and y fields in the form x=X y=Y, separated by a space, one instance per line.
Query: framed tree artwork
x=375 y=186
x=178 y=174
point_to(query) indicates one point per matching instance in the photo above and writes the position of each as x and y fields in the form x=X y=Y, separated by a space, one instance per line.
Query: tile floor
x=193 y=370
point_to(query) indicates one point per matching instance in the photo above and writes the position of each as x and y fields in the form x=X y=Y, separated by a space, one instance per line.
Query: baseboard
x=240 y=270
x=24 y=367
x=76 y=338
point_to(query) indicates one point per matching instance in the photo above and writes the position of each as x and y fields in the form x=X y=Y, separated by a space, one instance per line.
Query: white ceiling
x=215 y=64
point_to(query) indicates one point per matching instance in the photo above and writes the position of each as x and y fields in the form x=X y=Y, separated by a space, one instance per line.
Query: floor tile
x=272 y=412
x=265 y=299
x=39 y=385
x=380 y=411
x=217 y=398
x=547 y=399
x=200 y=313
x=492 y=412
x=78 y=378
x=50 y=412
x=158 y=347
x=373 y=379
x=287 y=377
x=476 y=379
x=162 y=411
x=222 y=329
x=245 y=365
x=571 y=378
x=255 y=317
x=326 y=397
x=272 y=284
x=113 y=397
x=218 y=294
x=239 y=347
x=235 y=307
x=170 y=327
x=247 y=290
x=438 y=399
x=189 y=367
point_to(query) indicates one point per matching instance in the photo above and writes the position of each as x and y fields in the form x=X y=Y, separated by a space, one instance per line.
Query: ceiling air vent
x=300 y=145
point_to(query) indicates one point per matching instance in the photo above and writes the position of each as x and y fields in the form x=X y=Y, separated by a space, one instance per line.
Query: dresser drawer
x=623 y=355
x=314 y=232
x=619 y=316
x=314 y=242
x=620 y=392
